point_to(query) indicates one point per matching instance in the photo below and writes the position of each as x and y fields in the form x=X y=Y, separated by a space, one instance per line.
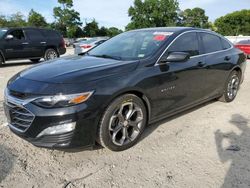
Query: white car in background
x=85 y=46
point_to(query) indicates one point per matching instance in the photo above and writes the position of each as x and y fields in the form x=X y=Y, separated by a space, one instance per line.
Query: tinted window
x=211 y=43
x=225 y=44
x=34 y=35
x=17 y=34
x=186 y=43
x=2 y=32
x=50 y=34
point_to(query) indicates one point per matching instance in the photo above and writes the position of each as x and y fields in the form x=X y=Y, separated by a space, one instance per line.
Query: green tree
x=153 y=13
x=195 y=17
x=67 y=19
x=91 y=29
x=16 y=20
x=37 y=20
x=3 y=21
x=113 y=31
x=234 y=23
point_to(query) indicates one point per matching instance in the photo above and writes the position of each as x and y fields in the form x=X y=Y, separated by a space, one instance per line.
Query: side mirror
x=9 y=37
x=179 y=57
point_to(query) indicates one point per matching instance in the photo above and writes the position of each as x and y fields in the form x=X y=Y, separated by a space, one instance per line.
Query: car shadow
x=238 y=152
x=6 y=162
x=152 y=127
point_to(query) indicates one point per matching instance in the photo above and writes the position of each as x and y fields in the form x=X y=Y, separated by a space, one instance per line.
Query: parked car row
x=244 y=46
x=84 y=46
x=30 y=43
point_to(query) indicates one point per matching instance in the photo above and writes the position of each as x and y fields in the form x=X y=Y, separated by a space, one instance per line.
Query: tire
x=1 y=61
x=122 y=123
x=35 y=60
x=231 y=87
x=50 y=54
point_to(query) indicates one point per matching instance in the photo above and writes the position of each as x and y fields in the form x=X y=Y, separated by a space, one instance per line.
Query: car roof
x=172 y=29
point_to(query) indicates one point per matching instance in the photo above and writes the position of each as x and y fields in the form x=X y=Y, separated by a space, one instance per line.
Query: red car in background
x=244 y=45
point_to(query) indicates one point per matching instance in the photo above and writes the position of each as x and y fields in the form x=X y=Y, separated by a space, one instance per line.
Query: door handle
x=201 y=64
x=43 y=42
x=227 y=58
x=25 y=43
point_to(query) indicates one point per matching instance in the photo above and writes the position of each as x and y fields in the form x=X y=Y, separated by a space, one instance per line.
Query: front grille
x=19 y=117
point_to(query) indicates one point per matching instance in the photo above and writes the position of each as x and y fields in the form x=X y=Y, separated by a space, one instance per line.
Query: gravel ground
x=208 y=146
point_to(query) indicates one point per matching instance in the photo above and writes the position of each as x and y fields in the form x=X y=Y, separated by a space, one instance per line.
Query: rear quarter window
x=225 y=44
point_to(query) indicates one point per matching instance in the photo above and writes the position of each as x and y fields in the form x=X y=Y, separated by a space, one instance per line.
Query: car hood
x=77 y=69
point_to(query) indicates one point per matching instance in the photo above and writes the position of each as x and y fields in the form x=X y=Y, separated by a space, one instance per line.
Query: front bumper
x=82 y=136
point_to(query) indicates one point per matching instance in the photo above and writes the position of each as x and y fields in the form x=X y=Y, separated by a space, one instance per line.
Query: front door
x=180 y=84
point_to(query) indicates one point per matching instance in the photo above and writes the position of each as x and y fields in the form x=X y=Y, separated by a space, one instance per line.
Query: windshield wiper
x=107 y=56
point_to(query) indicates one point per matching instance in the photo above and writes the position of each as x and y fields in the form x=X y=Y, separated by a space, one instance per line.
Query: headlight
x=59 y=101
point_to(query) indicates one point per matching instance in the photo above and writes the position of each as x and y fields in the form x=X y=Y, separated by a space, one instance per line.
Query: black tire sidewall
x=104 y=137
x=233 y=73
x=1 y=60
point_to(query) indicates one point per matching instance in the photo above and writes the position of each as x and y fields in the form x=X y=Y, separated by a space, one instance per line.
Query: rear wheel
x=35 y=60
x=122 y=123
x=231 y=87
x=1 y=61
x=50 y=54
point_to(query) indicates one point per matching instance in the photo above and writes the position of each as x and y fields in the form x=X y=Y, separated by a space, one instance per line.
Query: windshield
x=2 y=32
x=131 y=45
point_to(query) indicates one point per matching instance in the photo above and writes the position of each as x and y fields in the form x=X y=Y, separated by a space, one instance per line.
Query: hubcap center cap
x=125 y=123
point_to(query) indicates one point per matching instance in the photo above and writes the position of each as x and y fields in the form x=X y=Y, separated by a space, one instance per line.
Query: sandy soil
x=208 y=146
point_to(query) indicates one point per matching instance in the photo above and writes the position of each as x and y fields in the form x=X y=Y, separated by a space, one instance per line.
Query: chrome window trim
x=196 y=31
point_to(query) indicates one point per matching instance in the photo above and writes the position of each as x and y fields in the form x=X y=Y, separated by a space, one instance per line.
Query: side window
x=225 y=44
x=34 y=35
x=211 y=43
x=17 y=34
x=186 y=43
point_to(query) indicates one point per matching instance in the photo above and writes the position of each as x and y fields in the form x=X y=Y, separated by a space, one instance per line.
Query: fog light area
x=59 y=129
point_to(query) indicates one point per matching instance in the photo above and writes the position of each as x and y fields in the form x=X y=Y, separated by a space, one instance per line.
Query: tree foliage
x=195 y=17
x=37 y=20
x=234 y=23
x=92 y=29
x=153 y=13
x=67 y=19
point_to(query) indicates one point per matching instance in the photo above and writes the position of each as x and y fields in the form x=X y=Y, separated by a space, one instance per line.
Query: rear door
x=218 y=59
x=16 y=47
x=37 y=42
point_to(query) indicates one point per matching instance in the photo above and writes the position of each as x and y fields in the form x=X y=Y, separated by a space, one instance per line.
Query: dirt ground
x=208 y=146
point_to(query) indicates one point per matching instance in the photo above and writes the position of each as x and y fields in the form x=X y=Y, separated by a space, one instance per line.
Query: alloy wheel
x=125 y=123
x=233 y=87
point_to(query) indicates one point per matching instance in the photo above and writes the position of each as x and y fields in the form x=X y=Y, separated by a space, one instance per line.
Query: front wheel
x=50 y=54
x=231 y=87
x=122 y=123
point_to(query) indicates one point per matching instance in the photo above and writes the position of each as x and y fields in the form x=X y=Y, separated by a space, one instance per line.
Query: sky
x=115 y=12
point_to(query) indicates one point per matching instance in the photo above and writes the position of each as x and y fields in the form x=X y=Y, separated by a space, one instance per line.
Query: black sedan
x=111 y=93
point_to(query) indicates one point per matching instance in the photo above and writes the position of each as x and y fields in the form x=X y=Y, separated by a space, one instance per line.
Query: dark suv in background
x=30 y=43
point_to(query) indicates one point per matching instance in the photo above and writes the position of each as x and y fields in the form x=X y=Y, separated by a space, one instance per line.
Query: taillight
x=63 y=43
x=86 y=46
